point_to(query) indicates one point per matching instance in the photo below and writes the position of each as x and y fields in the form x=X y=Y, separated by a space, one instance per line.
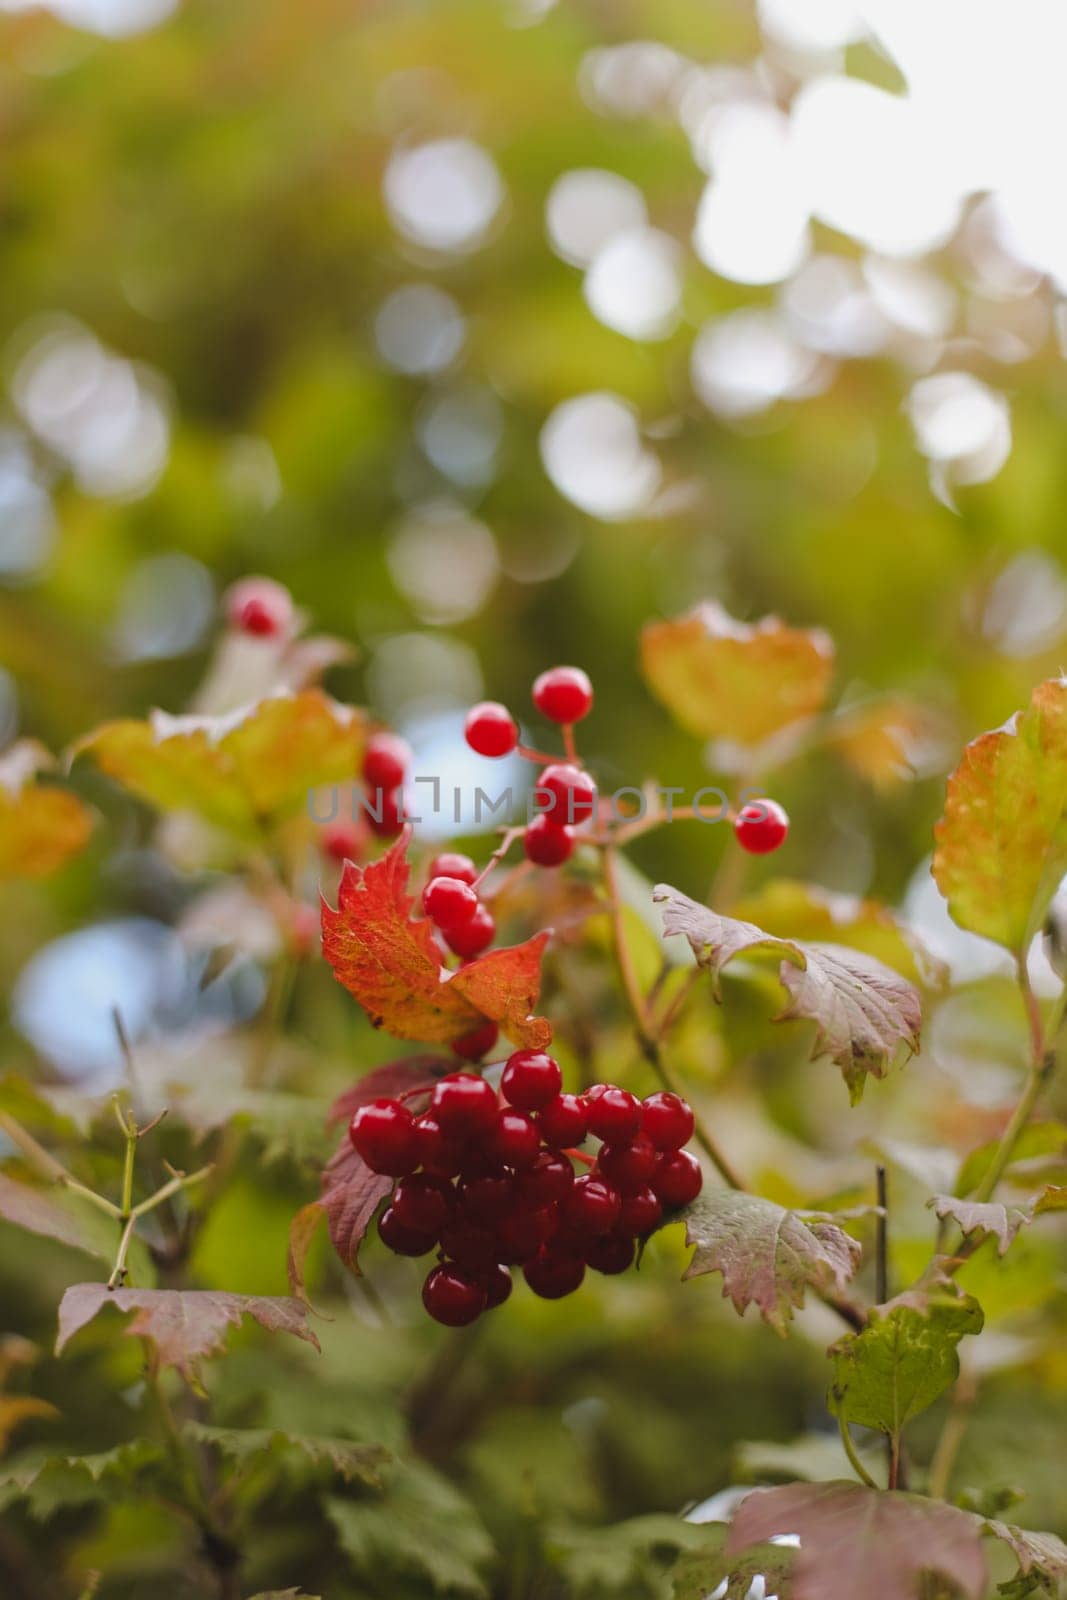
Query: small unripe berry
x=453 y=1297
x=531 y=1080
x=563 y=694
x=473 y=936
x=491 y=730
x=261 y=607
x=546 y=843
x=761 y=827
x=386 y=761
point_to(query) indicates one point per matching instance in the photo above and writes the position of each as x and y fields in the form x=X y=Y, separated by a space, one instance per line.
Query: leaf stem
x=51 y=1169
x=854 y=1461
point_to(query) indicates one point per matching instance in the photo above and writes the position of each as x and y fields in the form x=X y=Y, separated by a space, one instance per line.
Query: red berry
x=476 y=1044
x=437 y=1153
x=453 y=865
x=453 y=1297
x=563 y=1122
x=386 y=761
x=628 y=1166
x=472 y=936
x=522 y=1234
x=261 y=607
x=491 y=730
x=471 y=1247
x=449 y=902
x=531 y=1080
x=567 y=793
x=384 y=1135
x=484 y=1201
x=641 y=1212
x=548 y=1180
x=344 y=840
x=423 y=1202
x=402 y=1240
x=563 y=694
x=612 y=1254
x=667 y=1121
x=592 y=1207
x=614 y=1114
x=385 y=812
x=464 y=1105
x=515 y=1139
x=546 y=843
x=497 y=1287
x=678 y=1179
x=552 y=1274
x=761 y=827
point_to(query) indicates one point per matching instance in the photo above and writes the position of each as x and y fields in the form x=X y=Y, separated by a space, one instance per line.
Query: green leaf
x=700 y=1573
x=767 y=1255
x=739 y=681
x=1002 y=840
x=242 y=772
x=419 y=1527
x=863 y=1012
x=1036 y=1141
x=41 y=826
x=856 y=1541
x=49 y=1483
x=355 y=1463
x=184 y=1324
x=903 y=1359
x=628 y=1558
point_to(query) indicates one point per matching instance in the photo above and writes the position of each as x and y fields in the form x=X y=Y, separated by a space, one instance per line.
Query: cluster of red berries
x=386 y=763
x=566 y=792
x=489 y=1182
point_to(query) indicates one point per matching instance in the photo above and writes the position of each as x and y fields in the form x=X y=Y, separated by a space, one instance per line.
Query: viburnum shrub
x=572 y=1101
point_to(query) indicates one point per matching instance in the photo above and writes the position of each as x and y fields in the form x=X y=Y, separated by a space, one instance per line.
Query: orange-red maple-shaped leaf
x=391 y=963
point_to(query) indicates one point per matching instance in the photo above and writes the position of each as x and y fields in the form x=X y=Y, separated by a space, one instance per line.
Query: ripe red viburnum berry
x=260 y=607
x=423 y=1203
x=761 y=827
x=614 y=1114
x=628 y=1166
x=545 y=1183
x=470 y=938
x=402 y=1240
x=592 y=1207
x=563 y=694
x=449 y=902
x=386 y=761
x=564 y=1122
x=666 y=1121
x=463 y=1105
x=437 y=1152
x=553 y=1274
x=470 y=1245
x=515 y=1139
x=453 y=1297
x=546 y=843
x=484 y=1200
x=491 y=730
x=641 y=1212
x=476 y=1044
x=385 y=812
x=611 y=1254
x=531 y=1079
x=498 y=1286
x=383 y=1134
x=451 y=864
x=522 y=1233
x=344 y=840
x=566 y=794
x=677 y=1179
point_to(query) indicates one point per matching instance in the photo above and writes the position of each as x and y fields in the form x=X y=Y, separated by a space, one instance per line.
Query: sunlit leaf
x=41 y=826
x=184 y=1325
x=739 y=681
x=1002 y=840
x=391 y=963
x=859 y=1541
x=241 y=772
x=863 y=1011
x=768 y=1256
x=903 y=1359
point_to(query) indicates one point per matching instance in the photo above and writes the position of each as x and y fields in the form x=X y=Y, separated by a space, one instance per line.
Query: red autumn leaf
x=184 y=1325
x=351 y=1194
x=390 y=962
